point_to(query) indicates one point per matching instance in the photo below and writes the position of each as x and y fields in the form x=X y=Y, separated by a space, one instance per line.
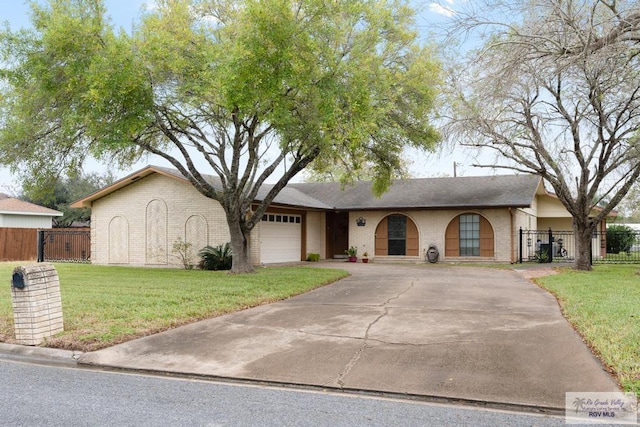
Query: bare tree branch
x=556 y=92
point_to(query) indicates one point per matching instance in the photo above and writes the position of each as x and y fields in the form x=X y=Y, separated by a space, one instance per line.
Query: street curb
x=39 y=355
x=410 y=397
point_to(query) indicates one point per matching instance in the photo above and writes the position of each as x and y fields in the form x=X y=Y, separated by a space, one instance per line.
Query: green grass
x=604 y=307
x=106 y=305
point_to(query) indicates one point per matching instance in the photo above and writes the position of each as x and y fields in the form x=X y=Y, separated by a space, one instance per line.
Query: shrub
x=216 y=258
x=313 y=257
x=620 y=238
x=182 y=251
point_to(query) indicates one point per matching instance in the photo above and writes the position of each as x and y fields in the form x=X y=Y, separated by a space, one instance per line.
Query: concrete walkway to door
x=456 y=332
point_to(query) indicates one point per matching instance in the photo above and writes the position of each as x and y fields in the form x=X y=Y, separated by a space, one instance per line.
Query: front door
x=337 y=234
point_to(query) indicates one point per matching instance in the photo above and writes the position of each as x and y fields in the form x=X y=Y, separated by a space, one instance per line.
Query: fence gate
x=608 y=247
x=64 y=245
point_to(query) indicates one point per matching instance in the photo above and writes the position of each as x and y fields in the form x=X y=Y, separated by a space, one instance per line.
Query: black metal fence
x=607 y=247
x=64 y=245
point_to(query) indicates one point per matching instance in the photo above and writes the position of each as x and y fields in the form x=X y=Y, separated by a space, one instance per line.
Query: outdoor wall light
x=361 y=222
x=529 y=242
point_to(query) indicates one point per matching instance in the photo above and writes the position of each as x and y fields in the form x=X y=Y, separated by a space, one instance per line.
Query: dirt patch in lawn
x=532 y=273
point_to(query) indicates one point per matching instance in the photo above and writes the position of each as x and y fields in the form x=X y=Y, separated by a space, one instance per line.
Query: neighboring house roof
x=13 y=206
x=433 y=193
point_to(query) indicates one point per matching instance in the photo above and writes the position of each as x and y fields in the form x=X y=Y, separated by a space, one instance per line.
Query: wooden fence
x=18 y=244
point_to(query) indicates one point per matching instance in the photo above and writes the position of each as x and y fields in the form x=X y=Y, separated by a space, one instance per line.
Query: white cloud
x=442 y=10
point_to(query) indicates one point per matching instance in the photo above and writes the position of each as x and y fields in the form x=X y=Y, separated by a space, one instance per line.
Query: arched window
x=469 y=234
x=397 y=235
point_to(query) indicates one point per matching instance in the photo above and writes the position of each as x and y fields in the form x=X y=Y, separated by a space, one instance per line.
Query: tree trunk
x=583 y=235
x=240 y=247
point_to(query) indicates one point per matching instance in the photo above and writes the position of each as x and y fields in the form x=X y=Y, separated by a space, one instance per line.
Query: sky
x=124 y=13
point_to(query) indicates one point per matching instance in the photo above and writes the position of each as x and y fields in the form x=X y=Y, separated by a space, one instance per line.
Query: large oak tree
x=555 y=90
x=254 y=90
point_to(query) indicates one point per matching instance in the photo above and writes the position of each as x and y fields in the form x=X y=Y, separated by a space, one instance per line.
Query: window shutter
x=452 y=238
x=412 y=238
x=382 y=244
x=486 y=238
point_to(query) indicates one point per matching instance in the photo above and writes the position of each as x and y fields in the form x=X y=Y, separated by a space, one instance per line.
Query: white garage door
x=280 y=238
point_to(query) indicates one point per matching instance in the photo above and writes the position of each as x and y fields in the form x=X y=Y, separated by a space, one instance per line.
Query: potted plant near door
x=365 y=257
x=352 y=252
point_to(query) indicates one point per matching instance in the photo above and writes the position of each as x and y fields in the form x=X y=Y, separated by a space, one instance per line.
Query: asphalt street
x=35 y=395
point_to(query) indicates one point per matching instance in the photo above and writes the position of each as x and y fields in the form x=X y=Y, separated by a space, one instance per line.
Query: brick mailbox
x=37 y=306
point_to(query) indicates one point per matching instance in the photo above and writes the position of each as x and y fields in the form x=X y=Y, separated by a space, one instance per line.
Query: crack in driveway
x=356 y=357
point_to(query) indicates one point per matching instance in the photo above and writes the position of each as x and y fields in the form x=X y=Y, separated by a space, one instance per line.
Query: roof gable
x=86 y=202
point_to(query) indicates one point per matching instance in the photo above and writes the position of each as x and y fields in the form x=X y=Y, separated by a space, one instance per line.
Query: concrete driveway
x=455 y=332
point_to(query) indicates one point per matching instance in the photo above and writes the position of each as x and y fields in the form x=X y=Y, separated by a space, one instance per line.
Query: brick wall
x=120 y=231
x=431 y=229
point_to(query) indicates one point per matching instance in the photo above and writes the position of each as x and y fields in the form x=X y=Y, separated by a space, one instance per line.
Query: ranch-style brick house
x=136 y=220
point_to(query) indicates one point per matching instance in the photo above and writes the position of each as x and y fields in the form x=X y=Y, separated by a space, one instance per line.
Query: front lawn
x=604 y=307
x=105 y=305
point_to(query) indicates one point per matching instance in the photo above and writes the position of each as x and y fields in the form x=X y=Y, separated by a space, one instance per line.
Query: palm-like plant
x=216 y=258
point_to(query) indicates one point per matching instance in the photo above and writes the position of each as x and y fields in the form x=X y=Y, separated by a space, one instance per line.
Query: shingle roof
x=423 y=193
x=11 y=205
x=293 y=197
x=434 y=193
